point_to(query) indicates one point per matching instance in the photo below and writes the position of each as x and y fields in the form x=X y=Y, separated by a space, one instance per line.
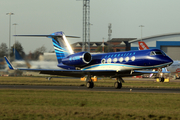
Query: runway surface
x=83 y=88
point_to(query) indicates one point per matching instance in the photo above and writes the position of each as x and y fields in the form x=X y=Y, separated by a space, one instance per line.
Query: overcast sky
x=48 y=16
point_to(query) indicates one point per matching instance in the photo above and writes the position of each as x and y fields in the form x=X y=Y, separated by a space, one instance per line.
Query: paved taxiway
x=147 y=90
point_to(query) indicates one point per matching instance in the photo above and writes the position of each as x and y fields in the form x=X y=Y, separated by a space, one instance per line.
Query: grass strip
x=76 y=82
x=73 y=105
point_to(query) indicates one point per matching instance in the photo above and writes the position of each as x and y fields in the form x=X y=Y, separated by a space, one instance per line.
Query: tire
x=162 y=79
x=92 y=84
x=118 y=85
x=88 y=84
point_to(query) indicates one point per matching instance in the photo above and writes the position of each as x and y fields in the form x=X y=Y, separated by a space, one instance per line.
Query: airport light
x=15 y=40
x=141 y=30
x=9 y=33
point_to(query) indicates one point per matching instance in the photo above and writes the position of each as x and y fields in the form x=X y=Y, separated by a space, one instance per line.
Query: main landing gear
x=118 y=84
x=89 y=82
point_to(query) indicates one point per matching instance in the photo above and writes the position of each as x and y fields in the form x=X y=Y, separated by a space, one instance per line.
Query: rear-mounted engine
x=77 y=59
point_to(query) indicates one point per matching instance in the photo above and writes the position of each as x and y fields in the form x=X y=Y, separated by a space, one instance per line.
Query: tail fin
x=142 y=45
x=61 y=45
x=9 y=64
x=17 y=55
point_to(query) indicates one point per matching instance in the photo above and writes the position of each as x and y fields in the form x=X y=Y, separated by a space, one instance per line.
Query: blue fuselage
x=130 y=60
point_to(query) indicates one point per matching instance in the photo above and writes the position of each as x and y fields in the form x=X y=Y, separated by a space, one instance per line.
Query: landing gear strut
x=118 y=84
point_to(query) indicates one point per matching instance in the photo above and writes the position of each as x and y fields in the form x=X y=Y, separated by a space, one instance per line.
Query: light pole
x=89 y=38
x=141 y=30
x=103 y=45
x=9 y=33
x=15 y=40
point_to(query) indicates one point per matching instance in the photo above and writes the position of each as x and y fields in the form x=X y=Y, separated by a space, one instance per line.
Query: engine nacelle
x=77 y=59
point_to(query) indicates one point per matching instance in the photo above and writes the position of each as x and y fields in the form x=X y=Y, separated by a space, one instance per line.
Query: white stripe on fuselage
x=120 y=67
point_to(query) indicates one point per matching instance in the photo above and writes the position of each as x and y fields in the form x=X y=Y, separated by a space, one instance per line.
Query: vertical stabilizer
x=142 y=45
x=61 y=45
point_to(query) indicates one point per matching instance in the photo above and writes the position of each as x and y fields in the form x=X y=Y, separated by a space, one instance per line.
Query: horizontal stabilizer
x=45 y=36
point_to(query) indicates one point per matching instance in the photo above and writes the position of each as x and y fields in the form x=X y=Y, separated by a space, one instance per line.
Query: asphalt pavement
x=83 y=88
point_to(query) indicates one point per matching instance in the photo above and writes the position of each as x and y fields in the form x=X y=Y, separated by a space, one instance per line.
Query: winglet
x=9 y=64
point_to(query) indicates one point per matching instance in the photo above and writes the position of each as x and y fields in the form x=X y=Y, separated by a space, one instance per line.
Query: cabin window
x=103 y=61
x=115 y=60
x=121 y=59
x=133 y=58
x=127 y=59
x=109 y=60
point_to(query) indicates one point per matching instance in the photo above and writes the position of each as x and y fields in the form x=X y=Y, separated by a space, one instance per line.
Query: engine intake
x=77 y=59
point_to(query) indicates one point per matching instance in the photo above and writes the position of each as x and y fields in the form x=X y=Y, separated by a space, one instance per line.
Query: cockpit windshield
x=157 y=53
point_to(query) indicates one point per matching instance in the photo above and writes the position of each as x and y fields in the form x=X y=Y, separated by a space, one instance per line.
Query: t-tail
x=61 y=45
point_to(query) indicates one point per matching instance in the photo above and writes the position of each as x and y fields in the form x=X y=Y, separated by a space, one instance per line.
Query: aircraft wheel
x=118 y=85
x=162 y=80
x=90 y=84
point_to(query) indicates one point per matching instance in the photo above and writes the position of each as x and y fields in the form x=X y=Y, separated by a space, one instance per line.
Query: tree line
x=18 y=47
x=34 y=55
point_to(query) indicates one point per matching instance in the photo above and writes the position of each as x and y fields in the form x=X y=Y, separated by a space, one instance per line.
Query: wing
x=149 y=72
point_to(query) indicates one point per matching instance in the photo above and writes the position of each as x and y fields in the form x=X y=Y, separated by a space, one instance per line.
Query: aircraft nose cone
x=169 y=60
